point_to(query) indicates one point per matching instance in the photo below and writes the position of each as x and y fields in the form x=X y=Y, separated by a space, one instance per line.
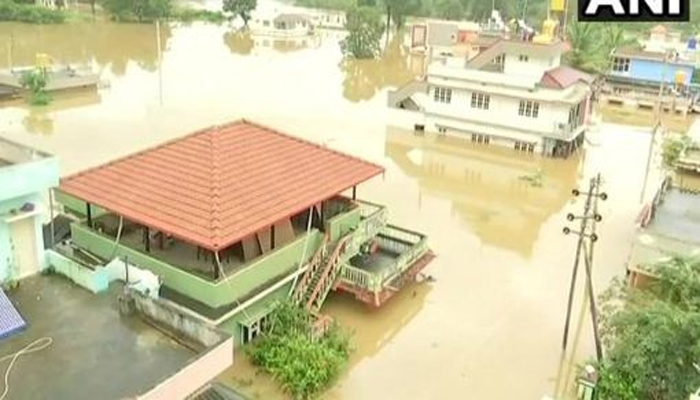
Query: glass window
x=443 y=95
x=621 y=64
x=480 y=100
x=529 y=108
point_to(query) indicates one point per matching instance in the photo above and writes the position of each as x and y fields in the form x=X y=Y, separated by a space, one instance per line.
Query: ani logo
x=634 y=10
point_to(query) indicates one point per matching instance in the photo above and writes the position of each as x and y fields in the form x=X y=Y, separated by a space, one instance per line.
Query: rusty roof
x=563 y=76
x=218 y=185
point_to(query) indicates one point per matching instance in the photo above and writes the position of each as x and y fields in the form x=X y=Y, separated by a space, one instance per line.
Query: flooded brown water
x=490 y=325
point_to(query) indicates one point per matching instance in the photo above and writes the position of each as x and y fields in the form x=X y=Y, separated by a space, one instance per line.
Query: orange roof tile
x=218 y=185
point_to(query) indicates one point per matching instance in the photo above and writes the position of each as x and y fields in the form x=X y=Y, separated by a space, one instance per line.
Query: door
x=23 y=235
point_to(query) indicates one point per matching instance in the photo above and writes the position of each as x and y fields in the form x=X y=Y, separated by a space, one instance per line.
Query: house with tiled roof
x=514 y=93
x=233 y=218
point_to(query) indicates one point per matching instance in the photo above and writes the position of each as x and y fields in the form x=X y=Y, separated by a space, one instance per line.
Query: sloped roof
x=218 y=185
x=563 y=76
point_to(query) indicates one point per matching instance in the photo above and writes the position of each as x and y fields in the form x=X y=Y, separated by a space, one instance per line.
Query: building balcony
x=384 y=264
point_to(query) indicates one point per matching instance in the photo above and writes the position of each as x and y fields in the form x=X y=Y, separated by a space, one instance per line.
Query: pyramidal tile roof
x=218 y=185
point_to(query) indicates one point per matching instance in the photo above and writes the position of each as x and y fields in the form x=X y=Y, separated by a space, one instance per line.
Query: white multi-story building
x=514 y=93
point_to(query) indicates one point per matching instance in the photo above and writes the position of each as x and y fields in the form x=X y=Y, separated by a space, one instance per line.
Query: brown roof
x=562 y=77
x=218 y=185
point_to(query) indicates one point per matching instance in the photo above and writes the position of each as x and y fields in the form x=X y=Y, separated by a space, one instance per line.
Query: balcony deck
x=376 y=274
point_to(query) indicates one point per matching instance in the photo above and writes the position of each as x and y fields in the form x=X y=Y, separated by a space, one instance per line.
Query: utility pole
x=586 y=239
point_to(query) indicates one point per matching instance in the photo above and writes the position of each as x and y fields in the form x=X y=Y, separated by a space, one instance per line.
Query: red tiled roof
x=562 y=77
x=218 y=185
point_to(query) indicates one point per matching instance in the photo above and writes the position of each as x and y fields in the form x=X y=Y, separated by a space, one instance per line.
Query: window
x=443 y=95
x=481 y=100
x=529 y=108
x=621 y=64
x=500 y=61
x=481 y=139
x=523 y=58
x=524 y=146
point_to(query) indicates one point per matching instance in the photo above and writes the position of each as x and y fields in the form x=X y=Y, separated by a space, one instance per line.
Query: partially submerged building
x=26 y=176
x=636 y=76
x=514 y=93
x=235 y=217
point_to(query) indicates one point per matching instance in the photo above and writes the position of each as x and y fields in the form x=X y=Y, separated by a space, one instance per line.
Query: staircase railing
x=328 y=276
x=316 y=261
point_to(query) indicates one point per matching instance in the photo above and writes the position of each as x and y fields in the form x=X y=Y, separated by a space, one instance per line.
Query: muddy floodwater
x=489 y=326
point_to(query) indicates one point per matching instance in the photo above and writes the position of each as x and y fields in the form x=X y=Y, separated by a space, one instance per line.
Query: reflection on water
x=365 y=78
x=239 y=42
x=107 y=44
x=488 y=187
x=367 y=339
x=490 y=326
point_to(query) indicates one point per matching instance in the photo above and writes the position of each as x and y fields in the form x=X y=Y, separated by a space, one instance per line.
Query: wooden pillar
x=147 y=239
x=53 y=230
x=354 y=192
x=214 y=259
x=272 y=237
x=89 y=214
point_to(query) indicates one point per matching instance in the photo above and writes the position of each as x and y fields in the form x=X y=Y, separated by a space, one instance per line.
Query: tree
x=397 y=10
x=138 y=10
x=652 y=336
x=449 y=9
x=242 y=8
x=365 y=30
x=586 y=50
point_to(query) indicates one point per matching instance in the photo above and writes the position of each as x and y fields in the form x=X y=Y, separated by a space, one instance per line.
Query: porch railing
x=373 y=219
x=410 y=246
x=416 y=245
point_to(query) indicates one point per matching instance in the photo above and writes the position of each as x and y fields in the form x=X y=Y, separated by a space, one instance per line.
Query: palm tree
x=587 y=51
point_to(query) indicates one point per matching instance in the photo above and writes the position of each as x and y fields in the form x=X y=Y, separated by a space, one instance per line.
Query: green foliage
x=36 y=82
x=449 y=9
x=29 y=13
x=673 y=147
x=241 y=8
x=329 y=4
x=365 y=30
x=399 y=9
x=592 y=44
x=288 y=352
x=652 y=336
x=189 y=15
x=138 y=10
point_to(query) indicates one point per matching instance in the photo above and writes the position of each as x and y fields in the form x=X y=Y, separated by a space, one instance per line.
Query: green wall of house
x=234 y=288
x=257 y=310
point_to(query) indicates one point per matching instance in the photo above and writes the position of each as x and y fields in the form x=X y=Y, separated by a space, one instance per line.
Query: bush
x=304 y=365
x=673 y=147
x=36 y=82
x=138 y=10
x=652 y=336
x=189 y=15
x=29 y=13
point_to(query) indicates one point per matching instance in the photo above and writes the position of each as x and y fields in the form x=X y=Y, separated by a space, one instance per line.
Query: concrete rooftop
x=678 y=217
x=96 y=353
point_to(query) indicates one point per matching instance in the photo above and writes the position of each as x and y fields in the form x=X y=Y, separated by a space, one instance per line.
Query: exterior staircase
x=321 y=276
x=405 y=92
x=487 y=56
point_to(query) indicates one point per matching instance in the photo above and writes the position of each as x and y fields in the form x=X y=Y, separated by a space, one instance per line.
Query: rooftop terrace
x=96 y=352
x=14 y=153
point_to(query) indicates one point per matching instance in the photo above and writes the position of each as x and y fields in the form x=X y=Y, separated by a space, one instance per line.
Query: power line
x=587 y=237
